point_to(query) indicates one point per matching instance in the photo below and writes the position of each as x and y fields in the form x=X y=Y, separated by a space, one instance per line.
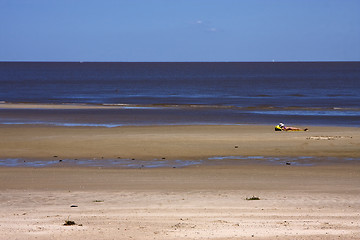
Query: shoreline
x=113 y=115
x=94 y=105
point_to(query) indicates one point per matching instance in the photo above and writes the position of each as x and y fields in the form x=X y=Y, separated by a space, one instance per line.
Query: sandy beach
x=174 y=142
x=321 y=201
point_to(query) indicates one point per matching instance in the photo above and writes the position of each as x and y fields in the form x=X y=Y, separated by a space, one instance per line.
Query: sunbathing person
x=282 y=127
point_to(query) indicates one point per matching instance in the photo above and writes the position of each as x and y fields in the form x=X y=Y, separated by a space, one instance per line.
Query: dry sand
x=189 y=203
x=202 y=202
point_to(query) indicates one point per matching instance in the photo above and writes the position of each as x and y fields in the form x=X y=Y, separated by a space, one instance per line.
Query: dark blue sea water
x=301 y=93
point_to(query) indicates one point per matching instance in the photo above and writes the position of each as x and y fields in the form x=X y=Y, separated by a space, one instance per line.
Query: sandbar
x=174 y=142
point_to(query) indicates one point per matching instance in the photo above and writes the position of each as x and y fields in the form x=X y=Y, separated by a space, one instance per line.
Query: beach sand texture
x=174 y=142
x=198 y=202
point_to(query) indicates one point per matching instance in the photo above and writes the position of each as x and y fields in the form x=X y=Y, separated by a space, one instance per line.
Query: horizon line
x=293 y=61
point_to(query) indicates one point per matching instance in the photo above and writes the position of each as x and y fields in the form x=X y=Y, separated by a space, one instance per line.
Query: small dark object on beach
x=60 y=160
x=163 y=158
x=288 y=163
x=69 y=223
x=55 y=156
x=236 y=146
x=133 y=159
x=74 y=206
x=253 y=198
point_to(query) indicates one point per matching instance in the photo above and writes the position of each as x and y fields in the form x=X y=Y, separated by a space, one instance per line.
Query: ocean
x=296 y=93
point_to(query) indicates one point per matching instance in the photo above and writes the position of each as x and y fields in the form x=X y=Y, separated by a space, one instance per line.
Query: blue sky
x=179 y=30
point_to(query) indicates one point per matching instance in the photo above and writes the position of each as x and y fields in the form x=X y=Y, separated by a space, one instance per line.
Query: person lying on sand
x=282 y=127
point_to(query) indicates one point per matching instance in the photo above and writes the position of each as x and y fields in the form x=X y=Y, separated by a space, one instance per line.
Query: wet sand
x=196 y=202
x=174 y=142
